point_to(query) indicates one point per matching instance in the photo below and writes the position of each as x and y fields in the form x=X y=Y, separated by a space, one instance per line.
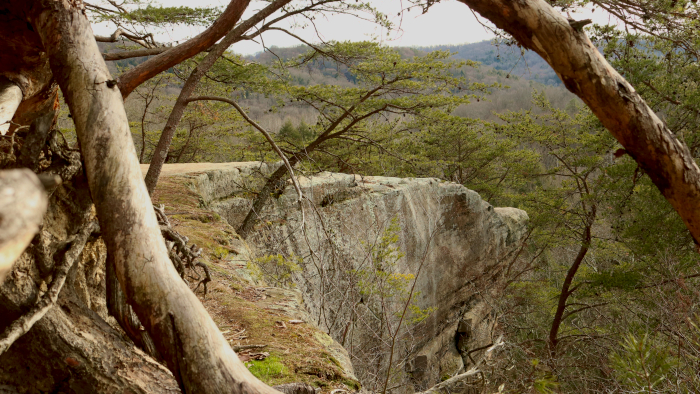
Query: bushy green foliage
x=146 y=13
x=640 y=365
x=366 y=108
x=279 y=268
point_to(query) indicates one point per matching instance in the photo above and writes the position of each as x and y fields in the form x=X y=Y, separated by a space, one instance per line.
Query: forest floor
x=246 y=310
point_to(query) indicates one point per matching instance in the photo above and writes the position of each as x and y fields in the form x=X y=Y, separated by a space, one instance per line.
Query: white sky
x=448 y=22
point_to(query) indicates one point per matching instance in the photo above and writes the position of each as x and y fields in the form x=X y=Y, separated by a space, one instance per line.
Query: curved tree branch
x=152 y=67
x=141 y=40
x=585 y=72
x=262 y=131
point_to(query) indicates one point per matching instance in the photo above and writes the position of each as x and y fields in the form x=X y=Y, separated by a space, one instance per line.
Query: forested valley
x=593 y=132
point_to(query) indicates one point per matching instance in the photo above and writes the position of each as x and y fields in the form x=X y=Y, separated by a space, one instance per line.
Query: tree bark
x=22 y=206
x=154 y=66
x=72 y=350
x=566 y=291
x=10 y=97
x=166 y=138
x=585 y=72
x=123 y=313
x=23 y=324
x=185 y=335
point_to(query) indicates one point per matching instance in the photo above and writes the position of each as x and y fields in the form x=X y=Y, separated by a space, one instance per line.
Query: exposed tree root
x=20 y=326
x=183 y=257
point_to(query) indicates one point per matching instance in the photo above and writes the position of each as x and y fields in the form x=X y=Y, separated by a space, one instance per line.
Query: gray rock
x=451 y=240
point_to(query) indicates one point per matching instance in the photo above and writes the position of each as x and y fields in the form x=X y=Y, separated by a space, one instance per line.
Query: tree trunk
x=72 y=350
x=123 y=313
x=185 y=335
x=585 y=72
x=566 y=291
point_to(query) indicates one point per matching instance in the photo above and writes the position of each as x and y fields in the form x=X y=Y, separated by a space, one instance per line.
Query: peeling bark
x=185 y=335
x=585 y=72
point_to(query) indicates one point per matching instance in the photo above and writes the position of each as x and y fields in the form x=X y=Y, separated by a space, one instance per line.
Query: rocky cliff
x=355 y=246
x=369 y=278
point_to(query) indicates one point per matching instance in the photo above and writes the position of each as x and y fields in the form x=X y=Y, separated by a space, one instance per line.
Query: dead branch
x=121 y=55
x=22 y=206
x=10 y=97
x=247 y=347
x=141 y=40
x=462 y=383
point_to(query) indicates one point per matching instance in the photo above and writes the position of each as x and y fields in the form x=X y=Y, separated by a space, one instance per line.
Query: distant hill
x=529 y=66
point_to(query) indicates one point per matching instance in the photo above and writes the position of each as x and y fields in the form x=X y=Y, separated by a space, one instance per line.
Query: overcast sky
x=448 y=22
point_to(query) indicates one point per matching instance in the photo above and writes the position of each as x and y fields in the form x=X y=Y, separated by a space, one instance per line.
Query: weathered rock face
x=361 y=243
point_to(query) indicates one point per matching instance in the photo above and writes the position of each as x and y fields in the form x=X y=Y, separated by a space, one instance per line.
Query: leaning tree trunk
x=185 y=335
x=585 y=72
x=272 y=184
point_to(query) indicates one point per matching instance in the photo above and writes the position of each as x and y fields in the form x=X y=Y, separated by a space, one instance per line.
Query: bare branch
x=262 y=131
x=141 y=40
x=22 y=206
x=135 y=53
x=10 y=97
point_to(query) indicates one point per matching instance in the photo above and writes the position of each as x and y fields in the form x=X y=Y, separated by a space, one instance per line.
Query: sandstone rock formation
x=453 y=242
x=345 y=265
